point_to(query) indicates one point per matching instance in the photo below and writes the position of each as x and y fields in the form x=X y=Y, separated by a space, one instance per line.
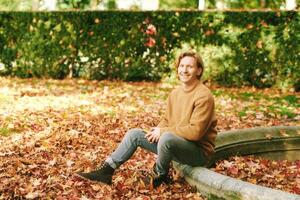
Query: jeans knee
x=167 y=139
x=134 y=134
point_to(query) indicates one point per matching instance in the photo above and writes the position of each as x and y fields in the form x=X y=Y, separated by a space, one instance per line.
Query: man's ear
x=199 y=71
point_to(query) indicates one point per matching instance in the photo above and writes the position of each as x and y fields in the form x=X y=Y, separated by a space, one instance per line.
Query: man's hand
x=154 y=135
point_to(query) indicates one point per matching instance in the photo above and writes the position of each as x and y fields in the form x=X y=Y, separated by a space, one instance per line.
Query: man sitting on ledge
x=186 y=133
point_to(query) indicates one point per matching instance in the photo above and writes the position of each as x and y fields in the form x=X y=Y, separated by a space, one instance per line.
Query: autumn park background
x=77 y=74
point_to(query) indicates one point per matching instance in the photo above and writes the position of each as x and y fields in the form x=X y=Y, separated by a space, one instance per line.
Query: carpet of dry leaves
x=50 y=129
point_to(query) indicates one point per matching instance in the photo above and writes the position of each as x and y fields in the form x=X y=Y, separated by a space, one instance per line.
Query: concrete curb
x=217 y=186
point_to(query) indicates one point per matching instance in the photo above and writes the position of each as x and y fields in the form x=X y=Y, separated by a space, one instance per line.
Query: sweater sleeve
x=199 y=122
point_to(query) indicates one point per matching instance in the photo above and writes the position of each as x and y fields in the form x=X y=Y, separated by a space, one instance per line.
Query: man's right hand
x=154 y=135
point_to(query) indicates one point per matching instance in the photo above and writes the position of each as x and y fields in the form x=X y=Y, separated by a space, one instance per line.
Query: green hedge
x=239 y=48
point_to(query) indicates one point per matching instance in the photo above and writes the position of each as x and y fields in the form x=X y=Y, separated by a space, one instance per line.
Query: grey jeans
x=169 y=147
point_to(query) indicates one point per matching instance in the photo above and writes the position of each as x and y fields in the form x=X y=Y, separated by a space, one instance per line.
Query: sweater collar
x=191 y=88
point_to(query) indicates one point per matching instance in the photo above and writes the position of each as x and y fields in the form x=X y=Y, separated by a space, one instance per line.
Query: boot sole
x=95 y=181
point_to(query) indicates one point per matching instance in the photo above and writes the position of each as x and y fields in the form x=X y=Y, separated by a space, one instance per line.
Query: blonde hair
x=195 y=55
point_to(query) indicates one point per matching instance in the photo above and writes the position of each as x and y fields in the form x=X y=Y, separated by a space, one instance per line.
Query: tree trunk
x=49 y=4
x=262 y=3
x=94 y=4
x=201 y=4
x=220 y=4
x=35 y=5
x=290 y=4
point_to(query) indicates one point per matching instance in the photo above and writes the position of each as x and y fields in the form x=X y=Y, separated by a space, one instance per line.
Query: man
x=186 y=133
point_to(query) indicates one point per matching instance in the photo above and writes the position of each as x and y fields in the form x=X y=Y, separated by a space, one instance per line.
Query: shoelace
x=101 y=166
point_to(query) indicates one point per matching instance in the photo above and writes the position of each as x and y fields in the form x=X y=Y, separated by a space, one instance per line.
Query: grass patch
x=248 y=96
x=242 y=113
x=218 y=93
x=280 y=110
x=4 y=131
x=288 y=99
x=291 y=99
x=287 y=112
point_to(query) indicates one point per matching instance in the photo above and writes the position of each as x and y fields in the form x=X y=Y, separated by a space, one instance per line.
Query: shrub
x=240 y=48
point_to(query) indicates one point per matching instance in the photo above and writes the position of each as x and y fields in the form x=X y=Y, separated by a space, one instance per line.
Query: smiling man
x=186 y=133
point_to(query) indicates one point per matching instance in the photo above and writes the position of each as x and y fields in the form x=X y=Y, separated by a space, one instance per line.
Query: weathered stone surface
x=214 y=184
x=279 y=142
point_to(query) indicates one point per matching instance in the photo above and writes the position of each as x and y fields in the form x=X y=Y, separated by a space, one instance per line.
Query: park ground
x=50 y=129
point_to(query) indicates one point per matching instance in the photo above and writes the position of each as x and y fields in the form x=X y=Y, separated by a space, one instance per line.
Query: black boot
x=103 y=174
x=158 y=179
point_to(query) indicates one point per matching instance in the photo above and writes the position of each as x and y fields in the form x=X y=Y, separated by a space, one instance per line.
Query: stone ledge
x=217 y=186
x=281 y=141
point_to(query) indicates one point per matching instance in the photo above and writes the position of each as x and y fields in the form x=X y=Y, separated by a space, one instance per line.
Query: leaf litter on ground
x=51 y=129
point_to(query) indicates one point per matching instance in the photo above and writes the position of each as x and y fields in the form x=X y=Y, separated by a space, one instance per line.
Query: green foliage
x=76 y=4
x=9 y=4
x=178 y=4
x=239 y=48
x=231 y=4
x=250 y=4
x=111 y=4
x=15 y=5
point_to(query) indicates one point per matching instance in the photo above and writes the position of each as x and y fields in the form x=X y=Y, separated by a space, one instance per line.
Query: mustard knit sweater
x=191 y=115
